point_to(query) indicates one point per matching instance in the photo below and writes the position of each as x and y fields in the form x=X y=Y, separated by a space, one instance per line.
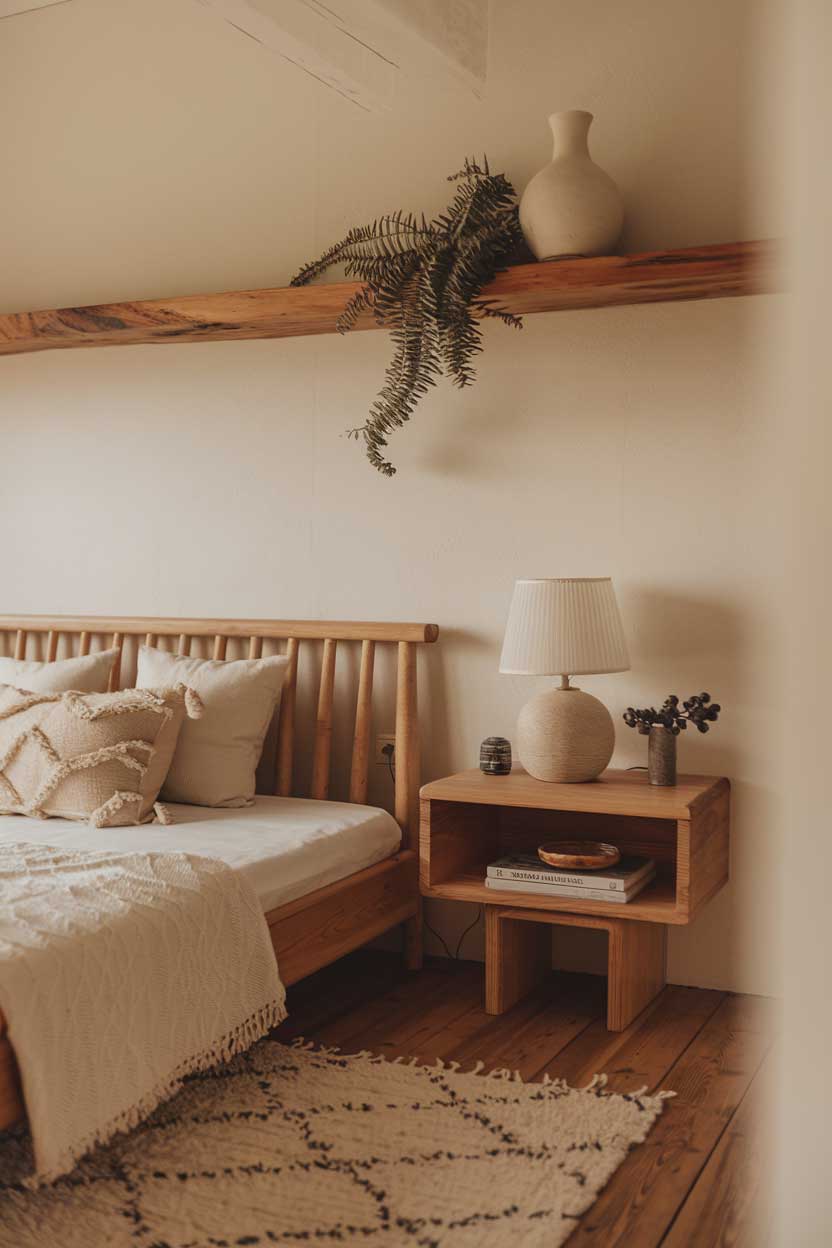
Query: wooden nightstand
x=469 y=819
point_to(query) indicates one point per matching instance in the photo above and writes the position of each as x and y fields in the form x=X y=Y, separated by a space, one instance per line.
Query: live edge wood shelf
x=469 y=819
x=710 y=272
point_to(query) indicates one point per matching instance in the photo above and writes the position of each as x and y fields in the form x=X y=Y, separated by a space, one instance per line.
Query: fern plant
x=424 y=280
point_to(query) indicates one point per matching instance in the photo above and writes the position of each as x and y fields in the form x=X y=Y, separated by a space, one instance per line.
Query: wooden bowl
x=579 y=855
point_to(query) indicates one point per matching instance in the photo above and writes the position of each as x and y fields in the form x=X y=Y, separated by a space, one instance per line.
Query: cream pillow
x=217 y=756
x=88 y=674
x=97 y=757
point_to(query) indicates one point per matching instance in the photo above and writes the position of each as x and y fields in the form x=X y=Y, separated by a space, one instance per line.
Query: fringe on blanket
x=240 y=1038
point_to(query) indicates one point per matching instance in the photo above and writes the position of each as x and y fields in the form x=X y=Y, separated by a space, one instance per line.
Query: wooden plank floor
x=700 y=1179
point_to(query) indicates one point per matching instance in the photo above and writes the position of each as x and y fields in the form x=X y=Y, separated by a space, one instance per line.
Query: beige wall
x=155 y=152
x=805 y=1102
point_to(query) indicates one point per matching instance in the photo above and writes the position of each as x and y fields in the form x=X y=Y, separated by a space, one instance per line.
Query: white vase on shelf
x=571 y=207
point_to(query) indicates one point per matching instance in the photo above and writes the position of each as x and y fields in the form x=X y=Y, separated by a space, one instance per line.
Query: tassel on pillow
x=194 y=706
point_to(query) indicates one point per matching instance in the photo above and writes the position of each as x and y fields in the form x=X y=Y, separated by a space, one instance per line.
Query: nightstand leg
x=518 y=956
x=635 y=970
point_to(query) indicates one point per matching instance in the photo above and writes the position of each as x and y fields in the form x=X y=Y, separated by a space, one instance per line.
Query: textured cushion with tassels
x=97 y=757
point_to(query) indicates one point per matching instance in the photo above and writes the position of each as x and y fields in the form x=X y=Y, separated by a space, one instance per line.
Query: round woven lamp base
x=565 y=735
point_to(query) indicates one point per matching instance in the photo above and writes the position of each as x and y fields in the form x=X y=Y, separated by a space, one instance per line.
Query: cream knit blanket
x=119 y=975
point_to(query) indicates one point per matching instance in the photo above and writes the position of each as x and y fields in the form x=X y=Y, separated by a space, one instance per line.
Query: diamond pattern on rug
x=288 y=1145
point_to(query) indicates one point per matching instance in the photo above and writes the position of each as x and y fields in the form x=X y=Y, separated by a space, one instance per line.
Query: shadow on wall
x=703 y=635
x=440 y=734
x=474 y=444
x=708 y=642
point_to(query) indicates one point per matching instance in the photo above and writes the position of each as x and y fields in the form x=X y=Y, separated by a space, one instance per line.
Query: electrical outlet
x=385 y=738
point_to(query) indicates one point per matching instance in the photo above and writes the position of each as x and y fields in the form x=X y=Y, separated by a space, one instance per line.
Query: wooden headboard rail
x=293 y=632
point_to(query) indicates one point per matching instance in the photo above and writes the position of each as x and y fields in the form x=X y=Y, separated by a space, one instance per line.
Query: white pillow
x=216 y=755
x=88 y=674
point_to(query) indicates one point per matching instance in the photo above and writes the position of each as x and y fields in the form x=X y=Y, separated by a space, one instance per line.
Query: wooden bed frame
x=312 y=931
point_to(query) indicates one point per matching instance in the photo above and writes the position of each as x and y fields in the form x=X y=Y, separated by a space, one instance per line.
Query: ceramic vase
x=661 y=756
x=571 y=208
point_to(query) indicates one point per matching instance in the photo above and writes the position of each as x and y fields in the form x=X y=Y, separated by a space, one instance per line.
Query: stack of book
x=525 y=873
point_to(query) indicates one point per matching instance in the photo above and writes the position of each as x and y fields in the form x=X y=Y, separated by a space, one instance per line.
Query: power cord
x=438 y=937
x=388 y=751
x=443 y=943
x=469 y=928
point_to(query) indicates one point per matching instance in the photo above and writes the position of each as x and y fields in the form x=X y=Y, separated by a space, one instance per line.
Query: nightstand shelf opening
x=655 y=904
x=470 y=819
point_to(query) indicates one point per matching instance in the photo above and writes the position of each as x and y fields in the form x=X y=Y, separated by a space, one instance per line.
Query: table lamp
x=564 y=626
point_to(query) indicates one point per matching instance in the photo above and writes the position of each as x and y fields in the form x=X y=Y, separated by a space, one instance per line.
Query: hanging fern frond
x=423 y=280
x=390 y=236
x=362 y=301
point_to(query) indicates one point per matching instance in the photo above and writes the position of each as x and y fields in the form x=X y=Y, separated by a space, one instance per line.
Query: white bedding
x=285 y=847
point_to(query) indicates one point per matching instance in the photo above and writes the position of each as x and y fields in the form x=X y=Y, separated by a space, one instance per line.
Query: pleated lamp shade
x=566 y=626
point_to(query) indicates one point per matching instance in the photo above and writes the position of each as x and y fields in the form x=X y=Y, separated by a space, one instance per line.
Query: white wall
x=154 y=152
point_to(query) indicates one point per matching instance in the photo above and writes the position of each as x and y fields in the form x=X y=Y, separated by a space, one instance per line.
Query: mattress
x=285 y=846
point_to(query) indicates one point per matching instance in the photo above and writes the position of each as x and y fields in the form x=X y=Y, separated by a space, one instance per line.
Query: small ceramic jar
x=495 y=756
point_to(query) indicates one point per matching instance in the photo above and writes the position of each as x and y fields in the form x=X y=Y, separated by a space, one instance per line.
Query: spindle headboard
x=73 y=635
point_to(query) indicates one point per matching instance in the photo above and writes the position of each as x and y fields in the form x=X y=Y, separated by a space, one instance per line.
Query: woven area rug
x=288 y=1145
